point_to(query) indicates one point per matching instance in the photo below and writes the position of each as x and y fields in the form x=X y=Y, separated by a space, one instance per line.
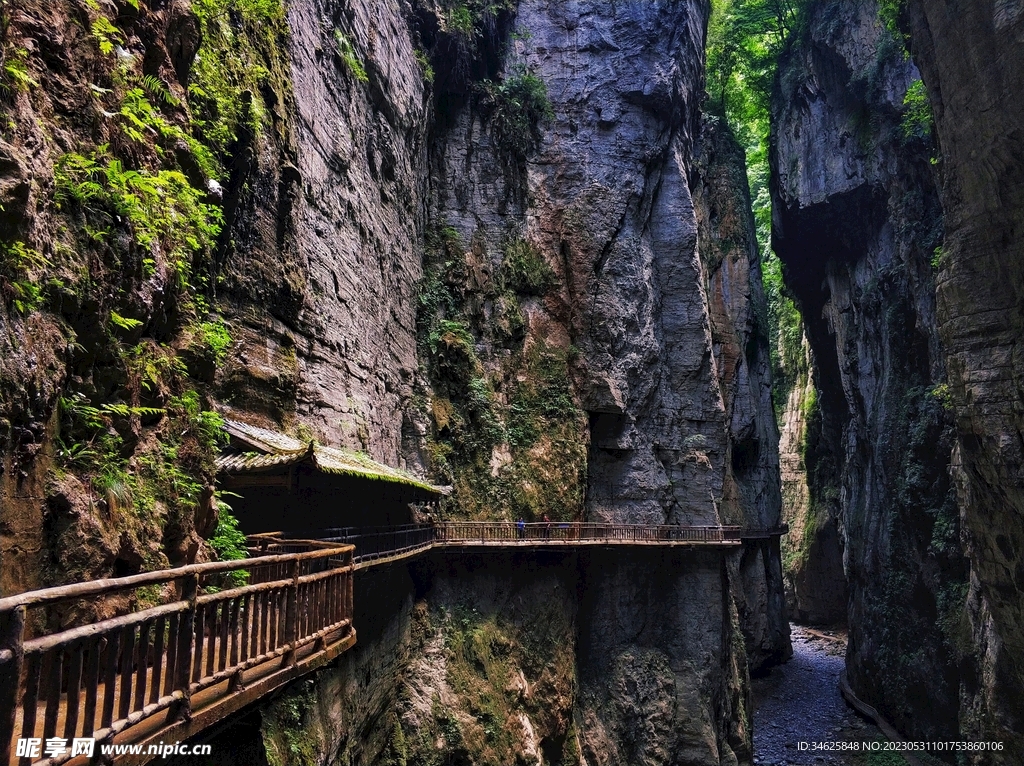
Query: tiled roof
x=267 y=450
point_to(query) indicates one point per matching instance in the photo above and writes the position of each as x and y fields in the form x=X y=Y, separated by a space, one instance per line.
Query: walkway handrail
x=291 y=608
x=97 y=680
x=577 y=531
x=381 y=544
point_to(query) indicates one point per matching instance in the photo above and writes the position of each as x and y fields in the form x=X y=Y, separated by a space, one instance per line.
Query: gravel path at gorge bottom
x=800 y=702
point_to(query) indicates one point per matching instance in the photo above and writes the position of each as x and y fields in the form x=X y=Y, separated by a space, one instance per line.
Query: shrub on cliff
x=518 y=105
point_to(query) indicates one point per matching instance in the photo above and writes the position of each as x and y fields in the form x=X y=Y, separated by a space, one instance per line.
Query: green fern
x=349 y=59
x=125 y=323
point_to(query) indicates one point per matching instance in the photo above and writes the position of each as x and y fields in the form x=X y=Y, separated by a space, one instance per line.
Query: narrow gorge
x=613 y=335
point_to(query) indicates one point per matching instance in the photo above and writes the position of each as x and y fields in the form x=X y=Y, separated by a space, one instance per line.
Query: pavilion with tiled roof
x=279 y=482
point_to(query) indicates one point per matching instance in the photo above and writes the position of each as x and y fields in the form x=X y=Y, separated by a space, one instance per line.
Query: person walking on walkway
x=547 y=526
x=521 y=528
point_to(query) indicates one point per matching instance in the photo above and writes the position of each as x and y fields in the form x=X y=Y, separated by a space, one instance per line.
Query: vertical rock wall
x=812 y=552
x=971 y=60
x=856 y=224
x=656 y=305
x=644 y=355
x=728 y=252
x=321 y=274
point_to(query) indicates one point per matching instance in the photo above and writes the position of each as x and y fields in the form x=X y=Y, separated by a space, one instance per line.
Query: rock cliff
x=856 y=224
x=816 y=591
x=971 y=62
x=492 y=241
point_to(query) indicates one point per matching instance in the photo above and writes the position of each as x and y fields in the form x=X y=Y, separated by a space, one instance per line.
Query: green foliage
x=785 y=333
x=507 y=434
x=142 y=122
x=18 y=263
x=132 y=425
x=215 y=338
x=424 y=61
x=175 y=469
x=241 y=57
x=943 y=395
x=286 y=736
x=15 y=76
x=228 y=541
x=451 y=347
x=164 y=213
x=125 y=323
x=106 y=34
x=889 y=14
x=467 y=18
x=491 y=650
x=460 y=20
x=524 y=269
x=519 y=103
x=745 y=41
x=349 y=57
x=917 y=118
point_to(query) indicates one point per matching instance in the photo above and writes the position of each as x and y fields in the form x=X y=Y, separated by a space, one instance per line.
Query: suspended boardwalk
x=226 y=633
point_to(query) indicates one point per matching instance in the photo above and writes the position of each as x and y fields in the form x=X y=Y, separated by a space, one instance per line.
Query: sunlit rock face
x=857 y=220
x=375 y=132
x=972 y=63
x=643 y=216
x=322 y=268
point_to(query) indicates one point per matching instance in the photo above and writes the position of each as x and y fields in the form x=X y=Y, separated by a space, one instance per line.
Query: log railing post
x=186 y=645
x=12 y=657
x=350 y=593
x=291 y=615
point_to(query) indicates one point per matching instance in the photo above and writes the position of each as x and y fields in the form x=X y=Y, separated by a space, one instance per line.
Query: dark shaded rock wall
x=857 y=221
x=657 y=303
x=812 y=552
x=970 y=56
x=728 y=250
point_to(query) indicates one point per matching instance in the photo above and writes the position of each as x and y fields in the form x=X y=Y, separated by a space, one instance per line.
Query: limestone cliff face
x=324 y=261
x=856 y=222
x=970 y=59
x=575 y=286
x=493 y=241
x=728 y=254
x=812 y=552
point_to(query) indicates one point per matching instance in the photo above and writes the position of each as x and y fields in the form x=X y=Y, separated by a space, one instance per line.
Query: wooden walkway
x=228 y=633
x=376 y=546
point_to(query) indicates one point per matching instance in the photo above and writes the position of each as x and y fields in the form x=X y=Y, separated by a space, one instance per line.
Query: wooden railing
x=468 y=532
x=100 y=680
x=377 y=543
x=231 y=632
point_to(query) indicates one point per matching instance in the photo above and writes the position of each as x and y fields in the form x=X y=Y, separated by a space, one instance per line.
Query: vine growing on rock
x=507 y=432
x=118 y=260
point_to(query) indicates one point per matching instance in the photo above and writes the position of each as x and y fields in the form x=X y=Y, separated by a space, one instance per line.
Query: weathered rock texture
x=728 y=251
x=671 y=367
x=971 y=60
x=322 y=269
x=856 y=222
x=97 y=301
x=654 y=328
x=587 y=340
x=812 y=552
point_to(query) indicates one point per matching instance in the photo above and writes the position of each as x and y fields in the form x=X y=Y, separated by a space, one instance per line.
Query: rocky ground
x=800 y=702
